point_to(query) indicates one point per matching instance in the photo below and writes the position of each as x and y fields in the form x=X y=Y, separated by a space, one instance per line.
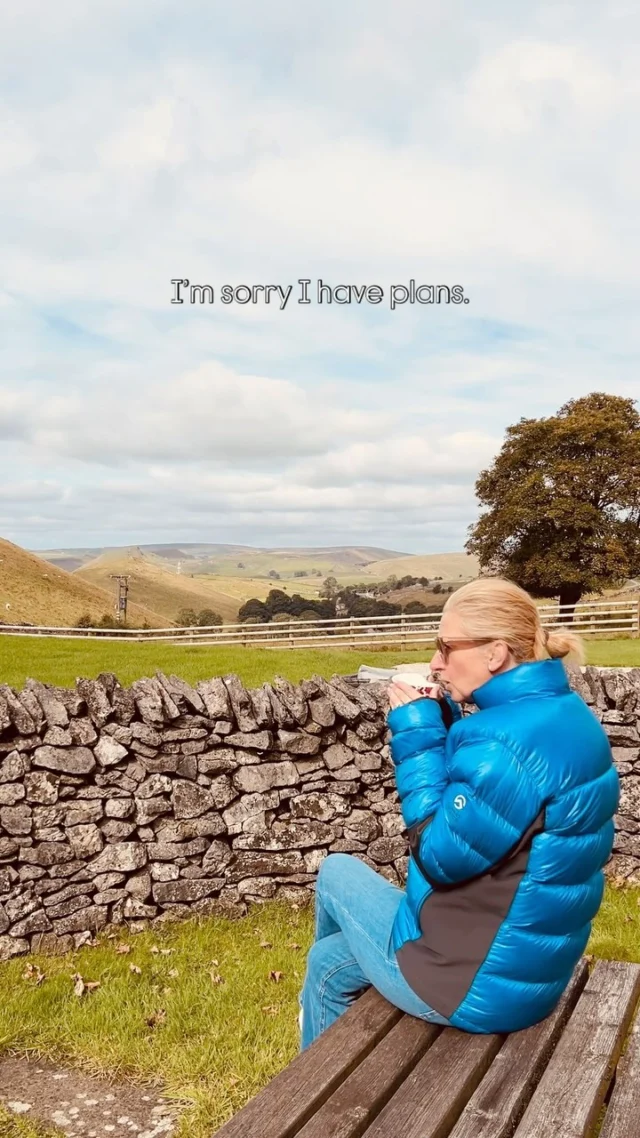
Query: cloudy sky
x=492 y=146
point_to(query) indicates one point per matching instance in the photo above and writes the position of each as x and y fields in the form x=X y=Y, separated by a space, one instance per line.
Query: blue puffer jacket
x=510 y=819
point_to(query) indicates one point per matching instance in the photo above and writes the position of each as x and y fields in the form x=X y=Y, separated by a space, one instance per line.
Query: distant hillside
x=452 y=567
x=156 y=583
x=235 y=560
x=35 y=592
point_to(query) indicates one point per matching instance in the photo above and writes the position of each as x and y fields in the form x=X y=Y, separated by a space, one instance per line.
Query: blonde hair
x=495 y=608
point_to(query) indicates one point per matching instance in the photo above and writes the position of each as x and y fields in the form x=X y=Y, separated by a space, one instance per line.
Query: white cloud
x=260 y=144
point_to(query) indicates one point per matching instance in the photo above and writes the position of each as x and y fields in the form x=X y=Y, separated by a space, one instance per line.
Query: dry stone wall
x=158 y=801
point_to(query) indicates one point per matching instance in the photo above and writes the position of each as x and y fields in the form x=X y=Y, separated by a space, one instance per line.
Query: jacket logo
x=459 y=801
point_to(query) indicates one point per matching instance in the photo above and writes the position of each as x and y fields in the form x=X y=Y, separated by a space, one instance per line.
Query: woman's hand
x=401 y=693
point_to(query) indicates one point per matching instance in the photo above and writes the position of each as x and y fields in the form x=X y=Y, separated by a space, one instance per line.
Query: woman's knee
x=333 y=870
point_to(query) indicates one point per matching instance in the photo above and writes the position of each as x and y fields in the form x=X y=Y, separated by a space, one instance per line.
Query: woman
x=509 y=813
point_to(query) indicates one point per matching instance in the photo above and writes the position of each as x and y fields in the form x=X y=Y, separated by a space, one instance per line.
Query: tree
x=254 y=611
x=187 y=618
x=275 y=576
x=207 y=618
x=329 y=588
x=414 y=607
x=563 y=498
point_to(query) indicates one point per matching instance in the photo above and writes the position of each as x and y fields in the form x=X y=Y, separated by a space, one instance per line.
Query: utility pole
x=123 y=589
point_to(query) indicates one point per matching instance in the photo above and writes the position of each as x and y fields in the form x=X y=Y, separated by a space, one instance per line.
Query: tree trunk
x=569 y=595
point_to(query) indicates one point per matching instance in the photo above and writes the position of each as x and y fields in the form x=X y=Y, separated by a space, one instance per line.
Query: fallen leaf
x=216 y=978
x=156 y=1018
x=78 y=987
x=265 y=944
x=167 y=991
x=135 y=968
x=166 y=951
x=91 y=985
x=293 y=946
x=173 y=972
x=154 y=949
x=32 y=972
x=271 y=1010
x=233 y=1081
x=123 y=949
x=276 y=976
x=215 y=963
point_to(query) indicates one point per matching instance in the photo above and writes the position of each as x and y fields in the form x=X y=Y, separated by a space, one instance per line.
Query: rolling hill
x=157 y=584
x=34 y=592
x=454 y=568
x=234 y=560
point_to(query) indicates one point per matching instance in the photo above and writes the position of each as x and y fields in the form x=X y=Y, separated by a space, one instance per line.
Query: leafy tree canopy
x=563 y=500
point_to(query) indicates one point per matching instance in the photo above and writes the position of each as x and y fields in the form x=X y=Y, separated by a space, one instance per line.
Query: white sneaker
x=300 y=1020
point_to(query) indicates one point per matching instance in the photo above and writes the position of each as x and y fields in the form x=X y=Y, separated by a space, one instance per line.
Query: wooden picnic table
x=383 y=1074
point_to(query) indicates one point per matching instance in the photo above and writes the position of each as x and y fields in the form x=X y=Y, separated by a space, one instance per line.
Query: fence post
x=637 y=631
x=403 y=631
x=351 y=632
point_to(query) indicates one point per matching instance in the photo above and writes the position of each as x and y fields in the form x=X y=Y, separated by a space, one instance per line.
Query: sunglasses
x=445 y=647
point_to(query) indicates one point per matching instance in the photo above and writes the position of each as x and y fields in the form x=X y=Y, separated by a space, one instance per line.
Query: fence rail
x=589 y=618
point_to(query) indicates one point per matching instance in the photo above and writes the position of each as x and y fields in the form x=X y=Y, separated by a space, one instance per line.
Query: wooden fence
x=590 y=618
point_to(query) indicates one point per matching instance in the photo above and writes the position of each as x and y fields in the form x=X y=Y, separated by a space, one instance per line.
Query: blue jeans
x=355 y=911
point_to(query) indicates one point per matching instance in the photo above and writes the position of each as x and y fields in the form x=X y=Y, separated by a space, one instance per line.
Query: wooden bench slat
x=572 y=1089
x=622 y=1119
x=290 y=1099
x=433 y=1096
x=367 y=1090
x=503 y=1095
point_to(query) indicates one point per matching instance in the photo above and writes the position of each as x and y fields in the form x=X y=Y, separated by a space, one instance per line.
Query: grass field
x=61 y=661
x=220 y=1041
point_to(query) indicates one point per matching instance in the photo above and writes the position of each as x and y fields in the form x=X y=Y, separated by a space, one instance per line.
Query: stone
x=264 y=864
x=11 y=793
x=16 y=819
x=171 y=851
x=184 y=890
x=58 y=896
x=250 y=740
x=135 y=909
x=47 y=854
x=190 y=800
x=147 y=809
x=68 y=813
x=266 y=776
x=368 y=761
x=122 y=857
x=13 y=767
x=82 y=732
x=182 y=694
x=392 y=825
x=70 y=905
x=108 y=752
x=386 y=849
x=288 y=836
x=217 y=858
x=320 y=807
x=72 y=760
x=9 y=947
x=8 y=878
x=251 y=807
x=338 y=756
x=208 y=825
x=213 y=763
x=216 y=699
x=18 y=714
x=108 y=880
x=298 y=743
x=322 y=712
x=258 y=887
x=8 y=847
x=261 y=707
x=163 y=871
x=36 y=923
x=118 y=830
x=139 y=885
x=85 y=840
x=91 y=919
x=17 y=908
x=119 y=807
x=48 y=944
x=630 y=797
x=361 y=825
x=241 y=704
x=41 y=787
x=222 y=791
x=58 y=737
x=293 y=700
